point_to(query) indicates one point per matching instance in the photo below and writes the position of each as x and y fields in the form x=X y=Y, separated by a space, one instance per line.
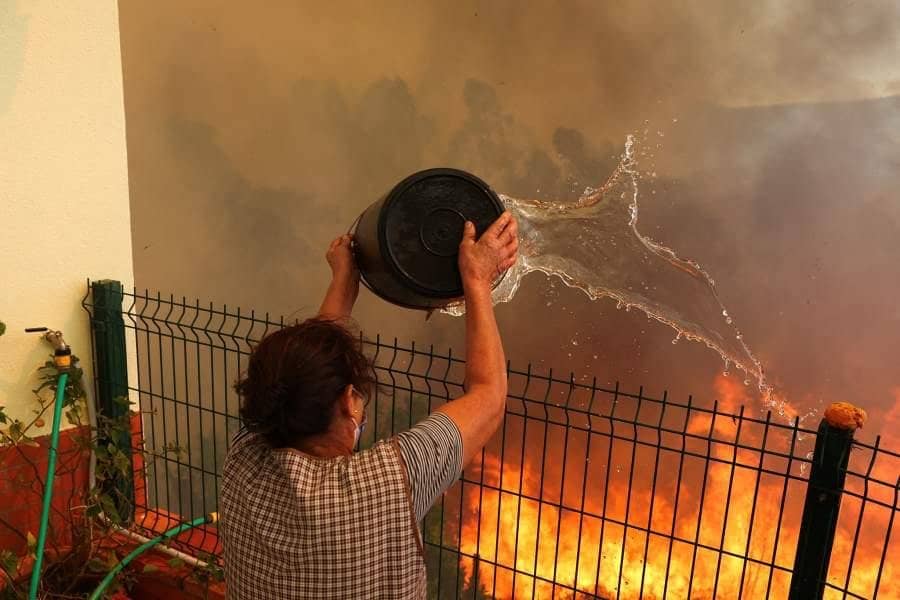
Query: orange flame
x=534 y=545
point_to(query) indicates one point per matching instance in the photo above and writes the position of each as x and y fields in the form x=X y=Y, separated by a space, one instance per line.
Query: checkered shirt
x=296 y=526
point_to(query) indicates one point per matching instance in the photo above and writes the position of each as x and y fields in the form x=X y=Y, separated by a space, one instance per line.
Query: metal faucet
x=62 y=354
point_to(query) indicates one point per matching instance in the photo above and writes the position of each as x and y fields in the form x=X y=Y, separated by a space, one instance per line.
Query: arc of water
x=593 y=244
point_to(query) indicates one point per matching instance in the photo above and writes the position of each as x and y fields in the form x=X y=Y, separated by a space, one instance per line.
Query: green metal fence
x=585 y=492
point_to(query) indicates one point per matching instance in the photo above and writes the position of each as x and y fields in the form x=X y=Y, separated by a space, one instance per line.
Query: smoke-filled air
x=708 y=200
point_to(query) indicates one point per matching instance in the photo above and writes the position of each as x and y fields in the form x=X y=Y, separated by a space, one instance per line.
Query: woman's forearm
x=340 y=297
x=485 y=359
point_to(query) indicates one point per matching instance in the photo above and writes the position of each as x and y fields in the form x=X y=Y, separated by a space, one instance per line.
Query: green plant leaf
x=176 y=562
x=173 y=448
x=122 y=464
x=111 y=559
x=31 y=542
x=9 y=561
x=96 y=565
x=15 y=431
x=3 y=417
x=73 y=415
x=122 y=401
x=29 y=441
x=109 y=508
x=2 y=327
x=150 y=568
x=47 y=383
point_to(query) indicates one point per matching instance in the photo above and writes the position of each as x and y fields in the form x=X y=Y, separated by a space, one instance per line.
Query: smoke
x=254 y=137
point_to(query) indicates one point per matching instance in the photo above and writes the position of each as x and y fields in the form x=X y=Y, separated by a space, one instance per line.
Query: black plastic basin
x=407 y=243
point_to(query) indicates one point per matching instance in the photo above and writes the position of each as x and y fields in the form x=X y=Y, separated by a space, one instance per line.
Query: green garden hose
x=211 y=518
x=48 y=485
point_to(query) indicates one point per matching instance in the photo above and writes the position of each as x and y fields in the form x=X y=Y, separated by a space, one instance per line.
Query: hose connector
x=62 y=353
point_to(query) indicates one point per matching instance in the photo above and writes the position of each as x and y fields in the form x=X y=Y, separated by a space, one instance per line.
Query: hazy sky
x=255 y=136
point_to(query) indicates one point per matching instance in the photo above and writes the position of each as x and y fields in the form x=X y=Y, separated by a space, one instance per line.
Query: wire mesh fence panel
x=585 y=491
x=866 y=555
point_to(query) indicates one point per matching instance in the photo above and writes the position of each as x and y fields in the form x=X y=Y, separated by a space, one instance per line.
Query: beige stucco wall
x=64 y=213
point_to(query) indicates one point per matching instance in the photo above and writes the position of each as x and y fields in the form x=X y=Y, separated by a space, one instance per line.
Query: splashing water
x=593 y=245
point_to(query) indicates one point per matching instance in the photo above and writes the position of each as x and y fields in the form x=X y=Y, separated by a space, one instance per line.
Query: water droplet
x=574 y=342
x=674 y=120
x=746 y=382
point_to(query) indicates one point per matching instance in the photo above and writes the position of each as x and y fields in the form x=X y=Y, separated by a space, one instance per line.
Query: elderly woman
x=303 y=515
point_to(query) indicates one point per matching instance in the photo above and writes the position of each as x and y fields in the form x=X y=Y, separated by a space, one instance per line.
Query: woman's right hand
x=483 y=261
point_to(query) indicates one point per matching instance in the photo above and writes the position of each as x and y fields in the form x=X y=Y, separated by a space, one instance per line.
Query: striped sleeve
x=432 y=451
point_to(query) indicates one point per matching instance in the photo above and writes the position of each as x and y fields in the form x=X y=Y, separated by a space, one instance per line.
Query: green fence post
x=820 y=512
x=108 y=328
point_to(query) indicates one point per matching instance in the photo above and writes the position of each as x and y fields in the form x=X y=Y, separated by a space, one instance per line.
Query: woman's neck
x=323 y=445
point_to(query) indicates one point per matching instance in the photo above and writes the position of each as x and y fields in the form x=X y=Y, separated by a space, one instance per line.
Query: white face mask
x=357 y=432
x=359 y=427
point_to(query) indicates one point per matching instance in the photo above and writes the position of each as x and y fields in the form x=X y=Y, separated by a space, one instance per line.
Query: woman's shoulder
x=248 y=458
x=380 y=455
